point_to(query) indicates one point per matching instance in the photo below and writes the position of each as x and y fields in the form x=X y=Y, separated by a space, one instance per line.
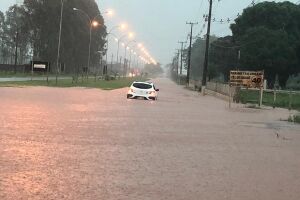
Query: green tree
x=223 y=56
x=2 y=40
x=269 y=38
x=197 y=58
x=41 y=22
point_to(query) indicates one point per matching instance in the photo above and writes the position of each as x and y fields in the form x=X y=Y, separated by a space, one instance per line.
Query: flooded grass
x=282 y=100
x=91 y=83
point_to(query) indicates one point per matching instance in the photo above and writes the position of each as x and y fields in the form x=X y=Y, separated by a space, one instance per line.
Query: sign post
x=32 y=70
x=261 y=96
x=229 y=96
x=42 y=67
x=248 y=79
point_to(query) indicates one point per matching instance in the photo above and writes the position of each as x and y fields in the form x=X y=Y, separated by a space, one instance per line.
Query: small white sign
x=39 y=66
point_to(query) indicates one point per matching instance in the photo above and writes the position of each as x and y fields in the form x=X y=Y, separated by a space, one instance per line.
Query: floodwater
x=76 y=143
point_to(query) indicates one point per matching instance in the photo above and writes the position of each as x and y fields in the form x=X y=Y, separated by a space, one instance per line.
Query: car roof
x=149 y=83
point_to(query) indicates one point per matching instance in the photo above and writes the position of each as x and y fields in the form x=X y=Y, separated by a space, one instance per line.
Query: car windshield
x=143 y=86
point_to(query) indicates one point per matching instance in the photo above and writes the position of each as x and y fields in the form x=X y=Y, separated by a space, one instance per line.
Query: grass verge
x=65 y=83
x=20 y=75
x=283 y=100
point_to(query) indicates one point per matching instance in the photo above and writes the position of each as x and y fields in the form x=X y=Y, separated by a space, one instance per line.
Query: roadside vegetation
x=11 y=74
x=266 y=36
x=295 y=118
x=65 y=83
x=283 y=100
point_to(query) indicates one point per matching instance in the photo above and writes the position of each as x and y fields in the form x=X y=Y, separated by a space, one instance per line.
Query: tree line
x=265 y=37
x=31 y=31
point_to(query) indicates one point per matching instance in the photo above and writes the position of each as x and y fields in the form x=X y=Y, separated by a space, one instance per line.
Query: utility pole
x=206 y=50
x=190 y=51
x=177 y=62
x=181 y=56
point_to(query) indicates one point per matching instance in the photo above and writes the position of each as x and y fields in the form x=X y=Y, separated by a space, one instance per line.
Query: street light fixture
x=95 y=23
x=110 y=12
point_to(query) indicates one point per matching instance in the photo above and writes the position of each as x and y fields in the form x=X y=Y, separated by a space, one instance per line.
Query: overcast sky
x=160 y=24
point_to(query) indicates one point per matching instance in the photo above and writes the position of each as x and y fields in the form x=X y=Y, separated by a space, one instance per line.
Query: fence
x=218 y=87
x=275 y=98
x=11 y=68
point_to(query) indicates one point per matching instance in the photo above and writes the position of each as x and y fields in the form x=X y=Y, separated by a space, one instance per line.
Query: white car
x=144 y=90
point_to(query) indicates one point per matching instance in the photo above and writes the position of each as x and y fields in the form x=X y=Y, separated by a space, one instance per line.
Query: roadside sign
x=38 y=66
x=247 y=79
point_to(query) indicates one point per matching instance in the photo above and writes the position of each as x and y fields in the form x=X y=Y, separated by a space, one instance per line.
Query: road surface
x=76 y=143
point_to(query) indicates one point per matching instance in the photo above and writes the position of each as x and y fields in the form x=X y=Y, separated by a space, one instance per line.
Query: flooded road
x=76 y=144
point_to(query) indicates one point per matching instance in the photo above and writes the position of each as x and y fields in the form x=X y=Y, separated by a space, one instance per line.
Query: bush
x=293 y=82
x=109 y=78
x=294 y=118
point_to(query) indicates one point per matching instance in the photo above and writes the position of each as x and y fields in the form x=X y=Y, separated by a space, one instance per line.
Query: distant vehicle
x=142 y=90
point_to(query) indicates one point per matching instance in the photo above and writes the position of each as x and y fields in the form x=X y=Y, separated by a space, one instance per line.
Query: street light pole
x=89 y=56
x=107 y=42
x=119 y=40
x=90 y=37
x=59 y=40
x=129 y=64
x=127 y=46
x=130 y=59
x=125 y=70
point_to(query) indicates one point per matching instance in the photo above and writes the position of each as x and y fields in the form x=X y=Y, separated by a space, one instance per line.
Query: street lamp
x=110 y=12
x=132 y=51
x=127 y=48
x=92 y=23
x=130 y=35
x=122 y=26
